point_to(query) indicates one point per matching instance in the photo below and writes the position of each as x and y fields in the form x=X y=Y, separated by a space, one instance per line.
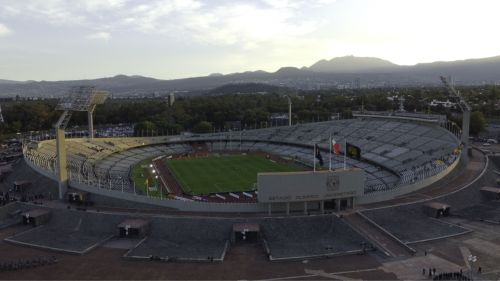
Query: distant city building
x=445 y=104
x=335 y=116
x=279 y=119
x=357 y=83
x=171 y=99
x=232 y=125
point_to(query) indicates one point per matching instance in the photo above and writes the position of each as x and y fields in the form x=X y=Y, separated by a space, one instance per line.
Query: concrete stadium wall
x=40 y=170
x=401 y=190
x=194 y=206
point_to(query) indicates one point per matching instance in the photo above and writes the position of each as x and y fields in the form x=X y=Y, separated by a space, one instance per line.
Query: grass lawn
x=228 y=173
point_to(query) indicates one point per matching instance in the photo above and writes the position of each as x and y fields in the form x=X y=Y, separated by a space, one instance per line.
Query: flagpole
x=314 y=158
x=345 y=152
x=330 y=165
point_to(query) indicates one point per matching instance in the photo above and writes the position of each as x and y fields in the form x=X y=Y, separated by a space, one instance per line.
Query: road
x=377 y=237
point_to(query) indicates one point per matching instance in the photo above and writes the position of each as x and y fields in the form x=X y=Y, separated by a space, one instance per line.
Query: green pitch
x=231 y=173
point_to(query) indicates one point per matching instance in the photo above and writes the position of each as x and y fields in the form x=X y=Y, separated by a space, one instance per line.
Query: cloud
x=102 y=5
x=242 y=25
x=102 y=35
x=4 y=30
x=249 y=24
x=216 y=22
x=296 y=4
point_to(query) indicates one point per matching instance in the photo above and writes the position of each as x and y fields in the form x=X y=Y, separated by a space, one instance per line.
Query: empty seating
x=394 y=153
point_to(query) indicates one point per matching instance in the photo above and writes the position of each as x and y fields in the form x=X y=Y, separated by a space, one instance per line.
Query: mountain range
x=340 y=72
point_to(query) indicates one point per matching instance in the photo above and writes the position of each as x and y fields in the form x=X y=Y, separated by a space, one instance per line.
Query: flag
x=335 y=147
x=318 y=154
x=353 y=151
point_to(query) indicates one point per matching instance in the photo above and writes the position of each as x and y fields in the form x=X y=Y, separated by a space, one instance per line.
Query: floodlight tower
x=464 y=107
x=83 y=98
x=401 y=104
x=1 y=116
x=289 y=109
x=287 y=96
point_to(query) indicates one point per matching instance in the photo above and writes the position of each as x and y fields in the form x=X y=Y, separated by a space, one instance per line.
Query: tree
x=144 y=128
x=202 y=127
x=477 y=122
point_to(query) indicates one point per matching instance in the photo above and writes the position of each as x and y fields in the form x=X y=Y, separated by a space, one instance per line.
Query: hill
x=244 y=88
x=336 y=73
x=3 y=81
x=351 y=64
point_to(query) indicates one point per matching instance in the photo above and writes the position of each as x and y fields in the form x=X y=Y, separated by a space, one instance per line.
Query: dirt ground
x=244 y=261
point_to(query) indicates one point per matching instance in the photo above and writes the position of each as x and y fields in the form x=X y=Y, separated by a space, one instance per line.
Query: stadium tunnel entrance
x=79 y=197
x=436 y=209
x=134 y=228
x=491 y=193
x=245 y=232
x=36 y=217
x=340 y=204
x=308 y=207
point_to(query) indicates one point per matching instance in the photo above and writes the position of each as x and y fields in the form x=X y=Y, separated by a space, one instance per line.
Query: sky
x=168 y=39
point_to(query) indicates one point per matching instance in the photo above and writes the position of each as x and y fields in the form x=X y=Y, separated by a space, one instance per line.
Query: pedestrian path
x=413 y=268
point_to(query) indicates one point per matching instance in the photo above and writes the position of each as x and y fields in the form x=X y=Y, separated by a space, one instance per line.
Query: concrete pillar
x=337 y=205
x=91 y=121
x=289 y=112
x=269 y=206
x=465 y=127
x=62 y=172
x=322 y=206
x=287 y=208
x=305 y=207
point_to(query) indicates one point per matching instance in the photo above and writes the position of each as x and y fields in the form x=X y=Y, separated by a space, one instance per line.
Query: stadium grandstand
x=397 y=155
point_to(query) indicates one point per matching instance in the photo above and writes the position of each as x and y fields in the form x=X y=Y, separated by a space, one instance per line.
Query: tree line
x=211 y=113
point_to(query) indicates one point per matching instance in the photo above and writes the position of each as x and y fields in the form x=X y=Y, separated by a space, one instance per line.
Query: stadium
x=397 y=157
x=334 y=191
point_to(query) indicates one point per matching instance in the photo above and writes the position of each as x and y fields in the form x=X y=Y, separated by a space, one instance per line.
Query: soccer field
x=231 y=173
